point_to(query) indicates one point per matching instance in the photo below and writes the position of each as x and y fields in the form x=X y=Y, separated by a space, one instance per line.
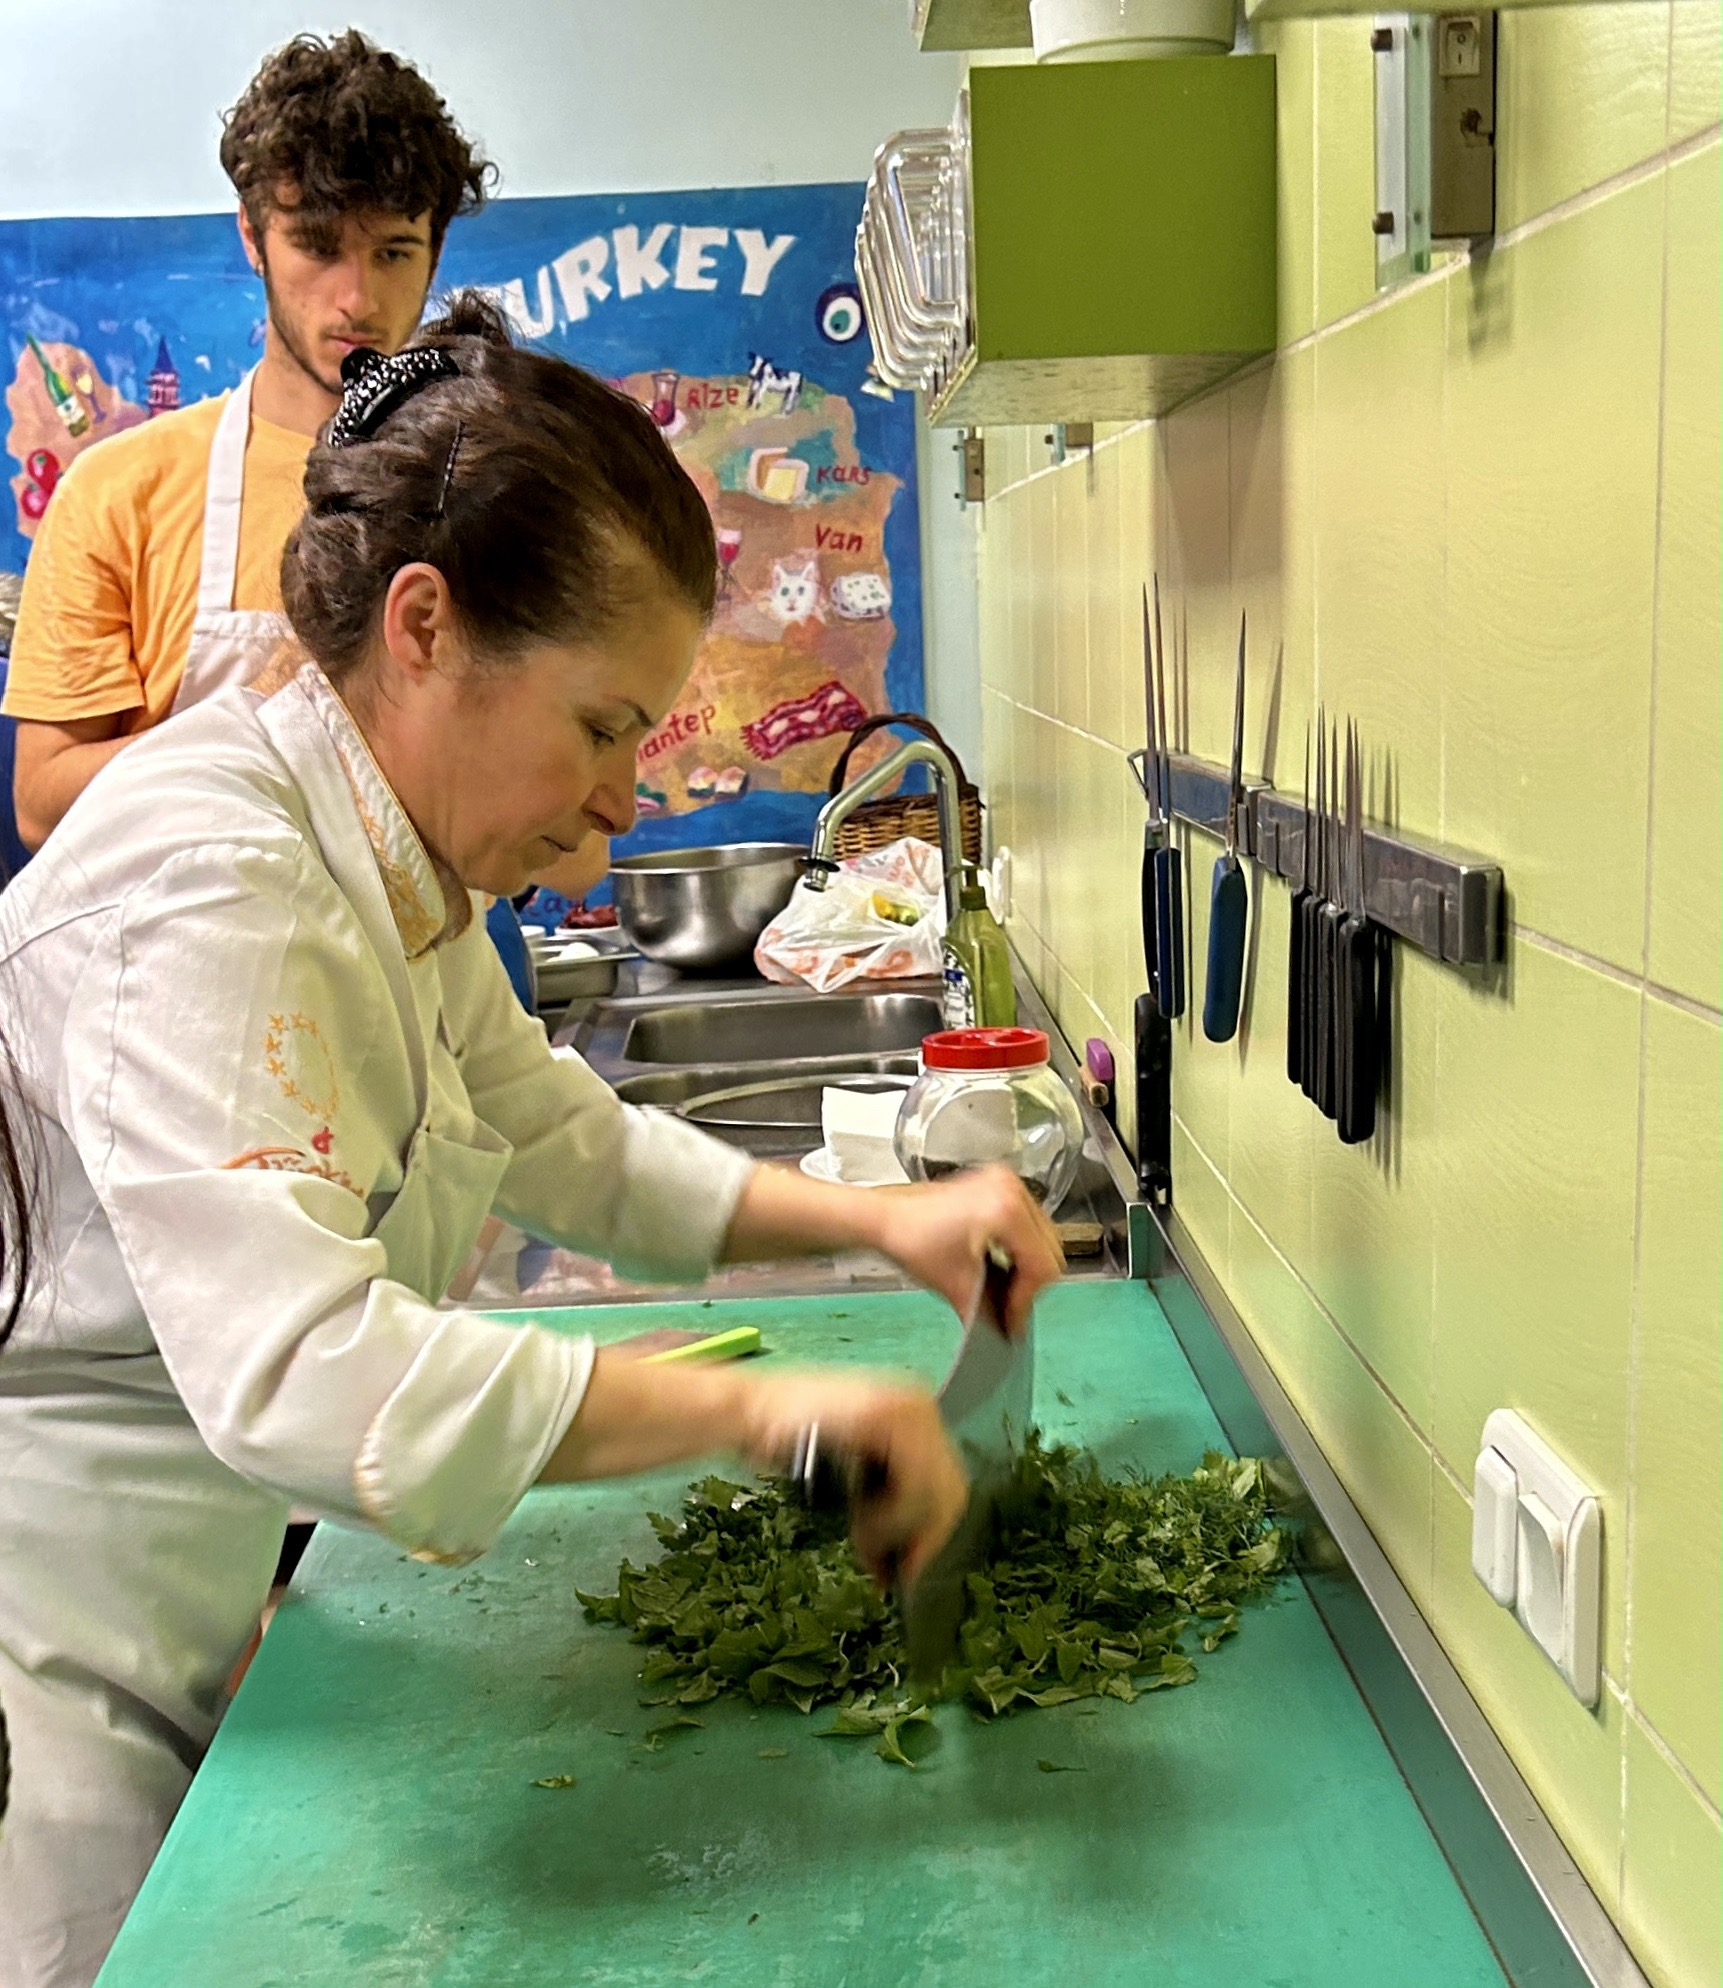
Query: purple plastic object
x=1099 y=1059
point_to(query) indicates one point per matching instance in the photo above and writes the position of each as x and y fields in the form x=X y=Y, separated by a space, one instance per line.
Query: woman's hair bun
x=468 y=314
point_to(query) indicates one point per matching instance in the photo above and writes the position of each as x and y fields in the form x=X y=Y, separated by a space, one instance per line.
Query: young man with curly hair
x=155 y=578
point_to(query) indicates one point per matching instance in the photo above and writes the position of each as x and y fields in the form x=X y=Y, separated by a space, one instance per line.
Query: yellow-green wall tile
x=1041 y=577
x=1071 y=595
x=1372 y=1236
x=1007 y=539
x=1115 y=705
x=1271 y=429
x=1201 y=1199
x=993 y=776
x=1273 y=1123
x=1345 y=167
x=1695 y=68
x=1570 y=1756
x=1031 y=954
x=1140 y=505
x=1687 y=769
x=1202 y=1070
x=1581 y=94
x=993 y=584
x=1084 y=900
x=1675 y=1658
x=1007 y=457
x=1037 y=821
x=1199 y=617
x=1376 y=1453
x=1380 y=537
x=1534 y=1226
x=1059 y=860
x=1670 y=1902
x=1553 y=378
x=1118 y=970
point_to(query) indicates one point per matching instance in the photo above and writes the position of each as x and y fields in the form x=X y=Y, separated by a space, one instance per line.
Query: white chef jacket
x=275 y=1079
x=277 y=1112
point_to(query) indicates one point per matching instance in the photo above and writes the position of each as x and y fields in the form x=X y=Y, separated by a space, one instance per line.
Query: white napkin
x=858 y=1128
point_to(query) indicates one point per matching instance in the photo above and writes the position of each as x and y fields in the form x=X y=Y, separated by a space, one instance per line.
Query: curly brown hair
x=350 y=129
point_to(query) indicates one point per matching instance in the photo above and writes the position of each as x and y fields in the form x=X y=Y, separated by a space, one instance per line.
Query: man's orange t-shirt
x=110 y=593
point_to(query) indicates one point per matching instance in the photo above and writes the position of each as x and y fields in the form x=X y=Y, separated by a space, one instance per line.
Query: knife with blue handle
x=1229 y=898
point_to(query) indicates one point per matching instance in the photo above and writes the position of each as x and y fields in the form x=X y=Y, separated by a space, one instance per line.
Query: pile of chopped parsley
x=1088 y=1588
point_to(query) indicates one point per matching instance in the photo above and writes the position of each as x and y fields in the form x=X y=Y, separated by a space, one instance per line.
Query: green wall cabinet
x=1122 y=237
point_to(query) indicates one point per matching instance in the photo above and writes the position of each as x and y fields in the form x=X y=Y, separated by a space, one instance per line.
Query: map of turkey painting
x=731 y=315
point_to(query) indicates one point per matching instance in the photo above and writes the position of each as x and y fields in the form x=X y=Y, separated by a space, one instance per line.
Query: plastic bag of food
x=880 y=917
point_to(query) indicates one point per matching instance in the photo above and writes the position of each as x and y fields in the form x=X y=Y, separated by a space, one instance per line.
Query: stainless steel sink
x=750 y=1031
x=789 y=1092
x=767 y=1108
x=747 y=1061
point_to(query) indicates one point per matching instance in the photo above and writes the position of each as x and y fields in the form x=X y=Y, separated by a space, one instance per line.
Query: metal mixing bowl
x=704 y=907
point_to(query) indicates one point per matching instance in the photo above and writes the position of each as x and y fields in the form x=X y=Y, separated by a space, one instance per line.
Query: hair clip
x=372 y=387
x=449 y=471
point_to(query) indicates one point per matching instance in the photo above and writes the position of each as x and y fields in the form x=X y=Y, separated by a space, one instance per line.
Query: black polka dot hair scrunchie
x=373 y=386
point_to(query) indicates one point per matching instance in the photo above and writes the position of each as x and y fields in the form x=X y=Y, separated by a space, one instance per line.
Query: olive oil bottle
x=979 y=992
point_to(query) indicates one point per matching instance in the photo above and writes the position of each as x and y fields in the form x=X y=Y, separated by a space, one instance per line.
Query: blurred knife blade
x=988 y=1404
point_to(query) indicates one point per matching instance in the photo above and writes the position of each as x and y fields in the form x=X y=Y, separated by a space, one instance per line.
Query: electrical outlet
x=1537 y=1546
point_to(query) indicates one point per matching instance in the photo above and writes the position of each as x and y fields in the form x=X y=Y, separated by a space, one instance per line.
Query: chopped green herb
x=556 y=1781
x=1090 y=1585
x=773 y=1753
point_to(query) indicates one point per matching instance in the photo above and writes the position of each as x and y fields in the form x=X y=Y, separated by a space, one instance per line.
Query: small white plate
x=821 y=1164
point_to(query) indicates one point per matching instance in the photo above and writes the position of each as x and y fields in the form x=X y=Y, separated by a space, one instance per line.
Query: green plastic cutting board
x=368 y=1815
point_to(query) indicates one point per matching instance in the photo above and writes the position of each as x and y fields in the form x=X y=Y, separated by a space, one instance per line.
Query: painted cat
x=794 y=595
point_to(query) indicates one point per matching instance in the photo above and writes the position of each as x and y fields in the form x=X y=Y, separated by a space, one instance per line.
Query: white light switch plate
x=1537 y=1545
x=1495 y=1529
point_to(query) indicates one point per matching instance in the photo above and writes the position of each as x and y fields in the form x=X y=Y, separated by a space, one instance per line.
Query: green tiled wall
x=1482 y=516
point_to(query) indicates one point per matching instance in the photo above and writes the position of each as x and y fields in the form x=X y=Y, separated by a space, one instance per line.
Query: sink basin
x=823 y=1025
x=764 y=1108
x=795 y=1087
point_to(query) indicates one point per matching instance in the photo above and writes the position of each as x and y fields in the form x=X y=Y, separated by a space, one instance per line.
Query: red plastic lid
x=984 y=1049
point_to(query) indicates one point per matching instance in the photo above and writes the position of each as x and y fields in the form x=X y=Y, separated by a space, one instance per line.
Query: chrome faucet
x=822 y=858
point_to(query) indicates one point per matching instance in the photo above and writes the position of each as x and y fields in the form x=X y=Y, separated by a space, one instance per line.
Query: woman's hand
x=638 y=1417
x=940 y=1233
x=894 y=1425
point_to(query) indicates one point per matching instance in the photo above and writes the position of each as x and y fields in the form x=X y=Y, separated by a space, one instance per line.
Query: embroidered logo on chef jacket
x=293 y=1159
x=296 y=1055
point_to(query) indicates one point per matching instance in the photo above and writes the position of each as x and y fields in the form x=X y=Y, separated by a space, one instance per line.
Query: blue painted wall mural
x=732 y=314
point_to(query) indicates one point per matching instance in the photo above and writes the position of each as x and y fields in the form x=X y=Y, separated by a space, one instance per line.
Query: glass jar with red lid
x=989 y=1096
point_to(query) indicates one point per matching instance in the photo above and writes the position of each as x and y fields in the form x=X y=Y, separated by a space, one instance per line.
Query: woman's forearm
x=636 y=1416
x=783 y=1213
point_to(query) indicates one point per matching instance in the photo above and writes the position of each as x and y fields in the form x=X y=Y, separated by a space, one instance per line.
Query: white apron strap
x=220 y=569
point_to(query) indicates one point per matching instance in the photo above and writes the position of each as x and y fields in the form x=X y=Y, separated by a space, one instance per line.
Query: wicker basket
x=877 y=823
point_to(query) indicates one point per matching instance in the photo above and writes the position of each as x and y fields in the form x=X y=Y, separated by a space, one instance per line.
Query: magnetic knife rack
x=1446 y=902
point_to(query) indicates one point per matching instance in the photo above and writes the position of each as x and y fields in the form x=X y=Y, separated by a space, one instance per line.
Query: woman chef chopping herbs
x=274 y=1080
